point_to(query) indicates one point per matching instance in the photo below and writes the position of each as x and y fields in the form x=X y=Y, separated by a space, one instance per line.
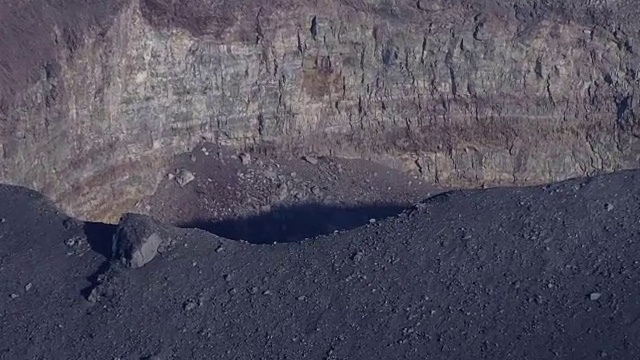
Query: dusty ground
x=530 y=273
x=266 y=199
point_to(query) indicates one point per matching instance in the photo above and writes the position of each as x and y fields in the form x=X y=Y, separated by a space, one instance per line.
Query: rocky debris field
x=266 y=198
x=505 y=273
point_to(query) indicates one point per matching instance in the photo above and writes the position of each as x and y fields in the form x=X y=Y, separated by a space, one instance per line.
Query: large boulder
x=138 y=239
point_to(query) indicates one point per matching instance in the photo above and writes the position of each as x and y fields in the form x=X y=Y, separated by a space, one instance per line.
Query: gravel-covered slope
x=520 y=273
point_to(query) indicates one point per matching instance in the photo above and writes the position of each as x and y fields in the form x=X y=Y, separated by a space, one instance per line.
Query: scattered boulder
x=189 y=305
x=106 y=283
x=245 y=158
x=184 y=177
x=270 y=174
x=429 y=5
x=357 y=256
x=138 y=239
x=73 y=241
x=481 y=32
x=283 y=192
x=72 y=224
x=310 y=159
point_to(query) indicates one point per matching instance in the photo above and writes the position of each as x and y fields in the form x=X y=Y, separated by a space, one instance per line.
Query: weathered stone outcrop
x=96 y=97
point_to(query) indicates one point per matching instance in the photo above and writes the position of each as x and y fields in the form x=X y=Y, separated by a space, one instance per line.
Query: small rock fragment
x=184 y=177
x=193 y=158
x=14 y=296
x=270 y=174
x=28 y=287
x=594 y=296
x=219 y=249
x=151 y=357
x=608 y=206
x=189 y=305
x=421 y=206
x=372 y=221
x=93 y=296
x=267 y=293
x=310 y=159
x=428 y=5
x=71 y=224
x=283 y=193
x=245 y=158
x=481 y=32
x=357 y=256
x=74 y=241
x=2 y=220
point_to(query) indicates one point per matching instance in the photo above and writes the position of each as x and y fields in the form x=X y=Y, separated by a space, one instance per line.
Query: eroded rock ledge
x=97 y=96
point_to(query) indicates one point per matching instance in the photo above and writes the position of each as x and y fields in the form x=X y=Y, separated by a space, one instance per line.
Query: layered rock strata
x=96 y=97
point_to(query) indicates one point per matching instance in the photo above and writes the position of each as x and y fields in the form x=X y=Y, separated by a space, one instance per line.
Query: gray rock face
x=138 y=240
x=464 y=92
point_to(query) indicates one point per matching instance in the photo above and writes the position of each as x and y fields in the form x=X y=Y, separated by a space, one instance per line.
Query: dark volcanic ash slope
x=529 y=273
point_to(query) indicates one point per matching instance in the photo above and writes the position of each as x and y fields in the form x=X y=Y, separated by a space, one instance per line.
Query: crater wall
x=96 y=97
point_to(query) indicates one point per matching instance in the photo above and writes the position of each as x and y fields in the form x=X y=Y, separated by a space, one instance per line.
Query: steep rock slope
x=96 y=96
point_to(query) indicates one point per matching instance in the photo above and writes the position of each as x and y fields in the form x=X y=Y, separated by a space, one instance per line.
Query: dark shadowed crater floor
x=506 y=273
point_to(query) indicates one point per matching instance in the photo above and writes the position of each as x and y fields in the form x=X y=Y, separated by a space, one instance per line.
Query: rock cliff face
x=97 y=96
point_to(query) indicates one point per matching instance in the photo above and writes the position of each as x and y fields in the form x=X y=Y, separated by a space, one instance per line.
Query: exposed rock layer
x=97 y=96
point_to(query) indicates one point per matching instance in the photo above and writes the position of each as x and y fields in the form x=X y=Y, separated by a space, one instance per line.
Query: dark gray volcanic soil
x=277 y=198
x=528 y=273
